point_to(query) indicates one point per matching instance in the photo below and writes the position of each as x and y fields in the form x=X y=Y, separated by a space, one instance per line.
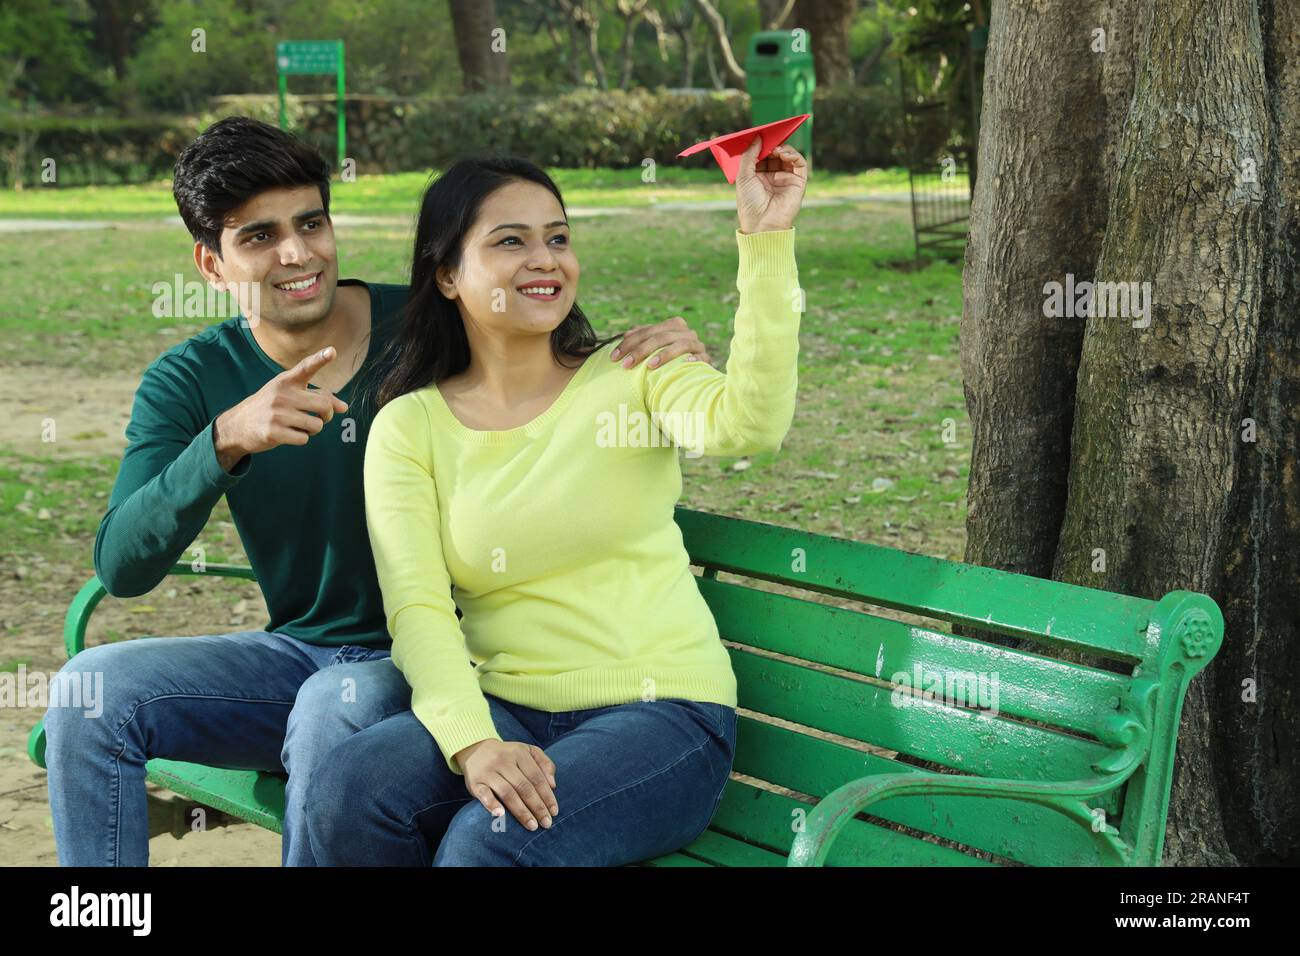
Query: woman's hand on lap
x=769 y=193
x=518 y=775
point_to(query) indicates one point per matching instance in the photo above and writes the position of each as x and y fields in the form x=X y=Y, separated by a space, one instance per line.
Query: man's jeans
x=247 y=701
x=633 y=781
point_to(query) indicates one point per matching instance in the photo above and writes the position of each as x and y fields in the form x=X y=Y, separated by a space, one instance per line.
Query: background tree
x=734 y=73
x=827 y=23
x=584 y=21
x=1121 y=457
x=631 y=13
x=680 y=19
x=44 y=54
x=482 y=66
x=774 y=14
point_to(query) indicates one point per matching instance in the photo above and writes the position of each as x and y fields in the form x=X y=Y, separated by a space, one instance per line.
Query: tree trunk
x=1256 y=723
x=1038 y=213
x=714 y=76
x=584 y=20
x=481 y=68
x=735 y=72
x=827 y=23
x=1157 y=415
x=631 y=12
x=114 y=31
x=1184 y=437
x=592 y=28
x=772 y=14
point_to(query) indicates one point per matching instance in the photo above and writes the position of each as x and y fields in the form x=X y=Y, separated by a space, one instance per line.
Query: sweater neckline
x=527 y=429
x=371 y=346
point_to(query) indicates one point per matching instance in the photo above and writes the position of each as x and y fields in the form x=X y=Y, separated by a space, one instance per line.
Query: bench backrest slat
x=1061 y=694
x=953 y=737
x=1083 y=619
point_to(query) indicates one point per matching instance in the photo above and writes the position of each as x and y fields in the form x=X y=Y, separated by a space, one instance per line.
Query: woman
x=511 y=458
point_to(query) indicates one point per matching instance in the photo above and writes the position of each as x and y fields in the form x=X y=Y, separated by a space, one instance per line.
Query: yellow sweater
x=558 y=535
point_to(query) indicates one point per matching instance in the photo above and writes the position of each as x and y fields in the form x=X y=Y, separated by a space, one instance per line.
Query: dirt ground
x=90 y=413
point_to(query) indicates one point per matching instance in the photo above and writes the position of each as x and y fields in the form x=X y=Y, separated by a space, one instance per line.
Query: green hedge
x=854 y=129
x=91 y=150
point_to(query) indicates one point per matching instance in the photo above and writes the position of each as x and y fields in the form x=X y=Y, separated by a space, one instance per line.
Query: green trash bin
x=780 y=78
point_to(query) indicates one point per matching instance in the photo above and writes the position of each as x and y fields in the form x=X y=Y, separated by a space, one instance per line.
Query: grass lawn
x=865 y=459
x=398 y=194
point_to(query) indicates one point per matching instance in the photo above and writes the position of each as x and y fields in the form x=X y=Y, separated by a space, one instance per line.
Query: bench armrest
x=78 y=618
x=93 y=591
x=825 y=822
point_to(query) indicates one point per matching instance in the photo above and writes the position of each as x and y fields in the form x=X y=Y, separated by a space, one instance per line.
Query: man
x=266 y=412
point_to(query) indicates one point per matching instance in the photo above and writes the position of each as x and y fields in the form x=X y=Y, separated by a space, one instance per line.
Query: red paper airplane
x=728 y=149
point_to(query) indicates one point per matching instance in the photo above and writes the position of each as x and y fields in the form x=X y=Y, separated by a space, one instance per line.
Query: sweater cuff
x=209 y=468
x=769 y=253
x=455 y=734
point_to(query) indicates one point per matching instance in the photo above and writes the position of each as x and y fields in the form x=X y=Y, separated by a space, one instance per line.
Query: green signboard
x=311 y=58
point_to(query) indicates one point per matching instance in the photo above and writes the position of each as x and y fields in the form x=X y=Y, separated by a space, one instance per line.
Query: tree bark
x=1038 y=213
x=827 y=23
x=1156 y=430
x=1255 y=740
x=480 y=67
x=734 y=72
x=114 y=31
x=630 y=12
x=1190 y=127
x=772 y=14
x=584 y=21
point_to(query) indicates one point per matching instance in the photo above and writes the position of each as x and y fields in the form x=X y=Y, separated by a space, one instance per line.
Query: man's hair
x=232 y=161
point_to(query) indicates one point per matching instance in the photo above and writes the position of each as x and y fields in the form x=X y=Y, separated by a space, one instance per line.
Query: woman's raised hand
x=769 y=193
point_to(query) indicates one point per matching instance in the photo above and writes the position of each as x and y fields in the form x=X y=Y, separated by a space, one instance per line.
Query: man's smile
x=300 y=287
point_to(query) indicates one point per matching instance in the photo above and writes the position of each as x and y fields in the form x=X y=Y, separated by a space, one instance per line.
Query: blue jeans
x=633 y=782
x=245 y=701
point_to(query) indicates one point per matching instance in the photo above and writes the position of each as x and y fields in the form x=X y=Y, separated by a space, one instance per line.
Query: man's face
x=282 y=241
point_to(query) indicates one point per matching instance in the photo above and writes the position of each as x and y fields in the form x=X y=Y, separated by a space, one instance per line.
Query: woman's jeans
x=633 y=782
x=249 y=701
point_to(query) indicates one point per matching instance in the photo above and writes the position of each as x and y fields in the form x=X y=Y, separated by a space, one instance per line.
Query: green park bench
x=1073 y=765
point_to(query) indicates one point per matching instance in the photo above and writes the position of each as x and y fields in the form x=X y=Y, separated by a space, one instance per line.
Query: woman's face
x=519 y=242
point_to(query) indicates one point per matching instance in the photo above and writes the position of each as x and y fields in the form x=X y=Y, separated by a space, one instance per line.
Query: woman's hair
x=429 y=343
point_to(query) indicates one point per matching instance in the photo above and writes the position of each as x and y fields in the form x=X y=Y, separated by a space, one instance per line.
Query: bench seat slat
x=718 y=849
x=1013 y=829
x=1060 y=693
x=675 y=859
x=248 y=794
x=763 y=818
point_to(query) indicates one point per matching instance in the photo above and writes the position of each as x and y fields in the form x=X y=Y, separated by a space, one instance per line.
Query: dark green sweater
x=298 y=508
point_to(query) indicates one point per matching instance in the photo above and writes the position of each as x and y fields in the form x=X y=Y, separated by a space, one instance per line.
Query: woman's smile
x=542 y=289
